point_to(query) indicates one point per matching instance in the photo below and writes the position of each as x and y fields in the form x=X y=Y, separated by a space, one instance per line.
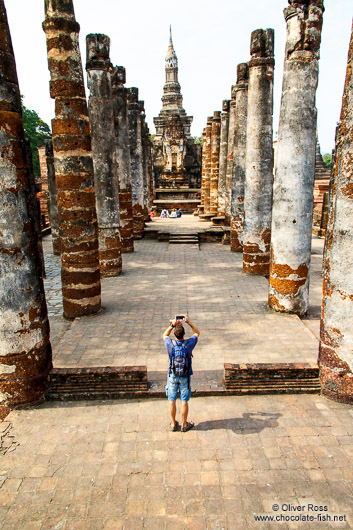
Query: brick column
x=135 y=143
x=101 y=116
x=52 y=198
x=293 y=190
x=25 y=351
x=207 y=166
x=230 y=149
x=119 y=94
x=336 y=335
x=80 y=273
x=145 y=154
x=239 y=161
x=223 y=151
x=215 y=146
x=259 y=155
x=203 y=171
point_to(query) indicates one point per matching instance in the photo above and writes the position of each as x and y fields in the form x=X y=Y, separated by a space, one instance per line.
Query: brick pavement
x=114 y=465
x=161 y=280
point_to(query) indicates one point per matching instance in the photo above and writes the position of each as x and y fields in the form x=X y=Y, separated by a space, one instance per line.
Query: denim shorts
x=174 y=384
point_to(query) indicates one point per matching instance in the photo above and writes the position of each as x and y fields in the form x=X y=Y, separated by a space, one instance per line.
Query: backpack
x=180 y=361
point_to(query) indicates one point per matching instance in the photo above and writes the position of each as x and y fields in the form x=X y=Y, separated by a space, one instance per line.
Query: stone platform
x=160 y=280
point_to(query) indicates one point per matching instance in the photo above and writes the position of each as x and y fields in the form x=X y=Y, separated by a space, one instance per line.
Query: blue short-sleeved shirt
x=189 y=345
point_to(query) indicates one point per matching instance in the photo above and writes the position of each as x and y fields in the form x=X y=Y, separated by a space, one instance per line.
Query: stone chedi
x=25 y=351
x=80 y=272
x=101 y=116
x=336 y=334
x=295 y=167
x=259 y=155
x=239 y=159
x=121 y=130
x=177 y=160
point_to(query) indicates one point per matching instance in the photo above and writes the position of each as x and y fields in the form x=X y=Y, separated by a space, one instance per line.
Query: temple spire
x=171 y=58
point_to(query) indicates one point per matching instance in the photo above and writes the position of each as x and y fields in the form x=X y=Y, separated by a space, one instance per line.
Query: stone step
x=183 y=241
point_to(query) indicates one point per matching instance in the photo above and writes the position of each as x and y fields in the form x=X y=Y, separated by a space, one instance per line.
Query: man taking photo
x=180 y=369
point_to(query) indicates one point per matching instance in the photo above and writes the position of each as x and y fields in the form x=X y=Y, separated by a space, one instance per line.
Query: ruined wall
x=336 y=334
x=295 y=170
x=25 y=351
x=80 y=273
x=101 y=116
x=259 y=155
x=123 y=160
x=239 y=160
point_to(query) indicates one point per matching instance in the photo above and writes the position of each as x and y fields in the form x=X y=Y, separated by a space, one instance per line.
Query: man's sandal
x=175 y=428
x=189 y=425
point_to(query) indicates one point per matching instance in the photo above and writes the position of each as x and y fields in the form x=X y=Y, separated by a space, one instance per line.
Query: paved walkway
x=114 y=465
x=161 y=280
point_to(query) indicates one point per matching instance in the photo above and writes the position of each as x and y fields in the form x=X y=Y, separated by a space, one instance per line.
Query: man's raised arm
x=193 y=327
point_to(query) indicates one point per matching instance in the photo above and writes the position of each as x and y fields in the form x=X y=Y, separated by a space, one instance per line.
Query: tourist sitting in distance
x=179 y=213
x=173 y=213
x=164 y=213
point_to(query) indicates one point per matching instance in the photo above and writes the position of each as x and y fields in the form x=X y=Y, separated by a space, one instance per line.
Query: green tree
x=198 y=140
x=36 y=131
x=327 y=158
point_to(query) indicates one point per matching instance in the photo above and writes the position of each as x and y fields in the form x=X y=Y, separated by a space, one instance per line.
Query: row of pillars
x=100 y=186
x=102 y=160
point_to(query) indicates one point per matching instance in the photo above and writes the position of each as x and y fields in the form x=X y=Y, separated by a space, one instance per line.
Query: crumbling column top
x=97 y=52
x=262 y=47
x=225 y=105
x=216 y=115
x=118 y=76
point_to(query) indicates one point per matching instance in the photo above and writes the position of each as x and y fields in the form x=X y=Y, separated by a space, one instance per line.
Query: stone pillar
x=101 y=116
x=336 y=334
x=52 y=199
x=150 y=169
x=119 y=94
x=239 y=159
x=34 y=206
x=203 y=171
x=145 y=155
x=215 y=146
x=295 y=171
x=230 y=148
x=223 y=151
x=135 y=143
x=207 y=166
x=25 y=351
x=80 y=273
x=259 y=155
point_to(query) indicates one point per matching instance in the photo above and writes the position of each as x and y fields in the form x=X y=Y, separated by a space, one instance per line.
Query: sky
x=210 y=38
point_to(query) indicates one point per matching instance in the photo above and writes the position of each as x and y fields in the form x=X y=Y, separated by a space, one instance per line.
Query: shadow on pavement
x=249 y=423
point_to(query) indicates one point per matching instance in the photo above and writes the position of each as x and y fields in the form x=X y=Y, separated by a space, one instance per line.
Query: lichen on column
x=295 y=167
x=106 y=185
x=25 y=351
x=80 y=274
x=336 y=333
x=259 y=155
x=239 y=159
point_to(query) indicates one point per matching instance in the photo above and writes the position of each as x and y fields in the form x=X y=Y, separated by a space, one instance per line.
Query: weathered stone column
x=230 y=148
x=295 y=171
x=259 y=155
x=25 y=351
x=80 y=273
x=136 y=155
x=145 y=150
x=223 y=151
x=52 y=199
x=101 y=116
x=215 y=146
x=119 y=94
x=207 y=166
x=336 y=335
x=239 y=159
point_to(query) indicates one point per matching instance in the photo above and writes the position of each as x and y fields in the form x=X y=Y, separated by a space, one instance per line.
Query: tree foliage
x=327 y=158
x=198 y=140
x=36 y=131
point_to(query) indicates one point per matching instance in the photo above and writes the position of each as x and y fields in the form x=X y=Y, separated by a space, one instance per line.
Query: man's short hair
x=179 y=331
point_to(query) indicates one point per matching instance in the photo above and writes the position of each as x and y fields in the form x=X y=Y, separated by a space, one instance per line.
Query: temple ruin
x=176 y=157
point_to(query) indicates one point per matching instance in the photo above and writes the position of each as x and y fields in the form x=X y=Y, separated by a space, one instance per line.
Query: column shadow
x=249 y=423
